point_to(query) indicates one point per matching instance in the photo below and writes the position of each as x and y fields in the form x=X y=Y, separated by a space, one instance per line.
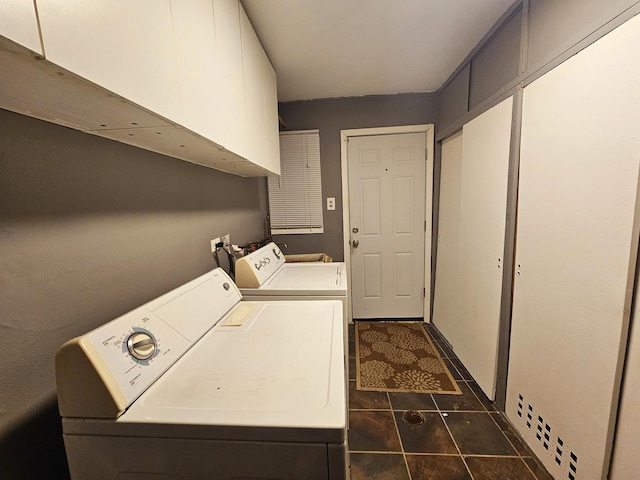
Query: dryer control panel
x=256 y=268
x=101 y=373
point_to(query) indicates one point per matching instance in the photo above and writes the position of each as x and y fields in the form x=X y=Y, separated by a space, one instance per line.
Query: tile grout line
x=514 y=447
x=519 y=455
x=454 y=440
x=395 y=423
x=464 y=462
x=490 y=412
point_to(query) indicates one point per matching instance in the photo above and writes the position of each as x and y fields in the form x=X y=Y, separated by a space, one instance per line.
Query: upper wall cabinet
x=19 y=23
x=260 y=98
x=164 y=75
x=232 y=123
x=125 y=47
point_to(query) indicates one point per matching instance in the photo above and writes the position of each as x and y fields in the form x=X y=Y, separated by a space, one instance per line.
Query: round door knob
x=141 y=345
x=355 y=243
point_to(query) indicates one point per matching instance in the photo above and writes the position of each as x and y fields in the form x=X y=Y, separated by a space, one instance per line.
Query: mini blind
x=295 y=197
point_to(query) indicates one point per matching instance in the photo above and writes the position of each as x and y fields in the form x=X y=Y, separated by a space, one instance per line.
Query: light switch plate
x=331 y=203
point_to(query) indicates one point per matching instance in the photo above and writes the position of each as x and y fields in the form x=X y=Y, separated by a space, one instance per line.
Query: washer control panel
x=137 y=348
x=256 y=268
x=118 y=361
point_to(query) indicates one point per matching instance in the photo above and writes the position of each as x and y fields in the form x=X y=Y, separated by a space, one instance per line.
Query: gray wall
x=330 y=117
x=91 y=228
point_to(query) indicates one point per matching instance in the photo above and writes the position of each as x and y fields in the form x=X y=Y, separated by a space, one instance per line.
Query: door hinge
x=426 y=154
x=424 y=292
x=425 y=225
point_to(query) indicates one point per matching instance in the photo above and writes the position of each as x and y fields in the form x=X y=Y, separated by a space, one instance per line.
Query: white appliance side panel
x=283 y=367
x=576 y=251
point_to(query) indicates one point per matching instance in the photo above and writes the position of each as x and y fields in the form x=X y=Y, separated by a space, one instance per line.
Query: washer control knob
x=141 y=345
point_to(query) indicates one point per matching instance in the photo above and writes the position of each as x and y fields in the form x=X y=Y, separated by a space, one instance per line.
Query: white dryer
x=198 y=384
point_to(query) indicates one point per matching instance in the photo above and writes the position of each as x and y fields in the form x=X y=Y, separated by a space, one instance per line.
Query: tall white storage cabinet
x=473 y=193
x=576 y=248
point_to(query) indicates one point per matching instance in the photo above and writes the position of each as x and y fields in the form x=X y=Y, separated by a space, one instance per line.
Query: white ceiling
x=345 y=48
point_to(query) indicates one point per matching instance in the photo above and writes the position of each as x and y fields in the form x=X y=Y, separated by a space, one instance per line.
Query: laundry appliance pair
x=203 y=383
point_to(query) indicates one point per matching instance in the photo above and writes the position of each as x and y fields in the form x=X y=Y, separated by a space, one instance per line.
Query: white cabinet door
x=260 y=99
x=125 y=47
x=198 y=66
x=576 y=248
x=483 y=212
x=272 y=126
x=474 y=194
x=446 y=298
x=230 y=119
x=18 y=23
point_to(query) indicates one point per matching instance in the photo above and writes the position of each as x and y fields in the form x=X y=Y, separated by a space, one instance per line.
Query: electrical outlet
x=225 y=241
x=214 y=242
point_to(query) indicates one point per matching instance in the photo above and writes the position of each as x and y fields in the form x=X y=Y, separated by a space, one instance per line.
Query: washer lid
x=282 y=369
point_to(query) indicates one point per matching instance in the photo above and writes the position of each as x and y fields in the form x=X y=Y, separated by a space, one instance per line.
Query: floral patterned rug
x=400 y=357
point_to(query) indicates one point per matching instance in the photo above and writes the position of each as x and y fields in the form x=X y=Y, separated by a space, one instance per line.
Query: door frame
x=428 y=130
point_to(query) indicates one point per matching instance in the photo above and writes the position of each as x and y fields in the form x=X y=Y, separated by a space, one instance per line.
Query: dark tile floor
x=463 y=437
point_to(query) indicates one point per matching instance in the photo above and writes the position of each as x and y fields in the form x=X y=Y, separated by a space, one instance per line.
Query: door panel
x=387 y=197
x=404 y=274
x=467 y=309
x=371 y=215
x=576 y=248
x=402 y=195
x=371 y=274
x=446 y=291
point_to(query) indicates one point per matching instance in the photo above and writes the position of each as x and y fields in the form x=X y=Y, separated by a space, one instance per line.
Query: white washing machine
x=198 y=384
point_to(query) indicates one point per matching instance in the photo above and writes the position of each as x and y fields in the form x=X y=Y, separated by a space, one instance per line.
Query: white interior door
x=576 y=247
x=387 y=225
x=473 y=192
